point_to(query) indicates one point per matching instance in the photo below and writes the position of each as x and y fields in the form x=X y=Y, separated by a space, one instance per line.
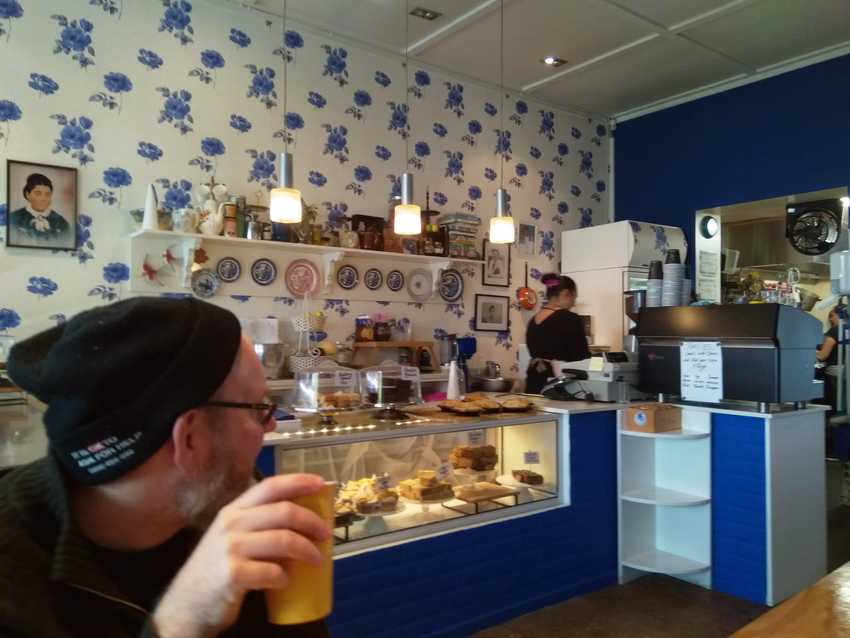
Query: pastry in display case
x=391 y=386
x=528 y=477
x=413 y=474
x=326 y=390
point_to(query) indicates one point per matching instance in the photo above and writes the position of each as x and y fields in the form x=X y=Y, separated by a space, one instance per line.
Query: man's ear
x=192 y=439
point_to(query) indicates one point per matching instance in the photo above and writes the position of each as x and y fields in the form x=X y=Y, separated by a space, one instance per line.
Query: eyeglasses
x=264 y=411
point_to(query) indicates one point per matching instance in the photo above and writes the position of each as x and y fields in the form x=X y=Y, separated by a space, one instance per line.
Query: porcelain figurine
x=211 y=197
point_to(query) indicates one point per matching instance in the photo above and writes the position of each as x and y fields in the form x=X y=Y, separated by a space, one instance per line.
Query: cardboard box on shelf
x=654 y=417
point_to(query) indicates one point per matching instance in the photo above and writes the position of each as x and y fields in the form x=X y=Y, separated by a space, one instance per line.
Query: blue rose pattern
x=316 y=100
x=520 y=109
x=291 y=122
x=661 y=241
x=178 y=194
x=575 y=133
x=547 y=243
x=421 y=79
x=547 y=184
x=336 y=143
x=74 y=137
x=586 y=217
x=382 y=153
x=383 y=79
x=84 y=241
x=177 y=20
x=456 y=309
x=239 y=38
x=336 y=64
x=454 y=98
x=240 y=123
x=42 y=286
x=535 y=213
x=114 y=178
x=9 y=112
x=116 y=272
x=474 y=193
x=317 y=179
x=440 y=130
x=211 y=60
x=292 y=40
x=176 y=109
x=600 y=188
x=262 y=85
x=575 y=191
x=9 y=10
x=474 y=128
x=339 y=306
x=336 y=214
x=490 y=110
x=149 y=59
x=75 y=40
x=586 y=167
x=211 y=147
x=42 y=84
x=398 y=119
x=454 y=166
x=547 y=125
x=9 y=319
x=490 y=174
x=601 y=132
x=111 y=7
x=116 y=84
x=361 y=174
x=440 y=199
x=503 y=144
x=361 y=99
x=263 y=169
x=521 y=171
x=563 y=151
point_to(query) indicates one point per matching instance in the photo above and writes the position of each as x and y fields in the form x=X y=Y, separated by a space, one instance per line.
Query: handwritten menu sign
x=701 y=371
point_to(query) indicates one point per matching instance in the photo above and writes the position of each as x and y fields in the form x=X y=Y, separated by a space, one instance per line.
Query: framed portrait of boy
x=497 y=264
x=527 y=239
x=41 y=204
x=492 y=313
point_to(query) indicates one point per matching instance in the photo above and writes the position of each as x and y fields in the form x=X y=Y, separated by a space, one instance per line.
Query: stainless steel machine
x=767 y=350
x=607 y=377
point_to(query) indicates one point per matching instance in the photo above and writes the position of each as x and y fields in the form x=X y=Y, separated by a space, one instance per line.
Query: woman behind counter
x=554 y=333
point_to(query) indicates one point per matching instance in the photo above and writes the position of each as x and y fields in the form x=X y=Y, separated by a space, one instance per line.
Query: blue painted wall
x=739 y=524
x=458 y=583
x=786 y=134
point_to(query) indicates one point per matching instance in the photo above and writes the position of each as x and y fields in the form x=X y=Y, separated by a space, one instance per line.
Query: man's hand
x=242 y=550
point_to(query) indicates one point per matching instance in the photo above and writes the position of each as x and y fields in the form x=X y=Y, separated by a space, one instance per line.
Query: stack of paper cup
x=686 y=292
x=654 y=285
x=671 y=291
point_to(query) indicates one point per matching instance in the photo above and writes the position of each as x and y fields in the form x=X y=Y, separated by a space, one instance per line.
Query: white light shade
x=502 y=230
x=285 y=206
x=408 y=219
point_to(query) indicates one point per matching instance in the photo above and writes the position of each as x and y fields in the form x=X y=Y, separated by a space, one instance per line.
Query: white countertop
x=577 y=407
x=745 y=411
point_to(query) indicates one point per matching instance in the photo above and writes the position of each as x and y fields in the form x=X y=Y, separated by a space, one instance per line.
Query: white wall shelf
x=654 y=495
x=661 y=562
x=680 y=434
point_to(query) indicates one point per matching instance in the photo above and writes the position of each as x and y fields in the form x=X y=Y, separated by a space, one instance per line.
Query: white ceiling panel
x=671 y=12
x=770 y=31
x=575 y=30
x=656 y=70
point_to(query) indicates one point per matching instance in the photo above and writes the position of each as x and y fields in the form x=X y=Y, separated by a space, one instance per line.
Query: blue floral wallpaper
x=174 y=92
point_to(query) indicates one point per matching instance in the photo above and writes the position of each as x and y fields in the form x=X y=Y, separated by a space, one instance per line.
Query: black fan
x=814 y=228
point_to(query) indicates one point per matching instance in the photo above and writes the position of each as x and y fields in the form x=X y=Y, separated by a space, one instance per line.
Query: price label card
x=445 y=471
x=409 y=373
x=531 y=457
x=477 y=437
x=344 y=378
x=383 y=482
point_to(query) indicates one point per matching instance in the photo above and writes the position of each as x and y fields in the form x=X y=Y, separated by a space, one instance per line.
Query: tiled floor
x=656 y=606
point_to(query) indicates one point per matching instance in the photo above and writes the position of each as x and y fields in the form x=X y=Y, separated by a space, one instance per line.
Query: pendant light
x=502 y=225
x=285 y=203
x=408 y=216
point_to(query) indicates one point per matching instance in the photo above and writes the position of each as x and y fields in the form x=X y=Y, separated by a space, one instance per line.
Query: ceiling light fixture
x=285 y=201
x=502 y=225
x=551 y=60
x=425 y=14
x=408 y=216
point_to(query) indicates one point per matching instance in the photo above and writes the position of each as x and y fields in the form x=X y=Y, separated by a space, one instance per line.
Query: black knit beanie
x=115 y=378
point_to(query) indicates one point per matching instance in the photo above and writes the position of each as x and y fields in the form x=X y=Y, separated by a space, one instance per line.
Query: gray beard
x=200 y=501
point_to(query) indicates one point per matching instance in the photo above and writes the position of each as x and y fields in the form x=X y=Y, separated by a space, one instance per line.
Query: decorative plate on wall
x=395 y=280
x=419 y=284
x=347 y=277
x=205 y=283
x=373 y=279
x=229 y=269
x=263 y=272
x=451 y=285
x=301 y=278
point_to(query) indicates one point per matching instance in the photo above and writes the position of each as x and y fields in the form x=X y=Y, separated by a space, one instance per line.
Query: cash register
x=607 y=377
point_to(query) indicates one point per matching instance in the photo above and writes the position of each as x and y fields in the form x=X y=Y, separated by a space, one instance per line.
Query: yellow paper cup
x=309 y=594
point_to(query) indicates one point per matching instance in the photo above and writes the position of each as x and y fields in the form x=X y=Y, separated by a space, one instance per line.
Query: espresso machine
x=634 y=302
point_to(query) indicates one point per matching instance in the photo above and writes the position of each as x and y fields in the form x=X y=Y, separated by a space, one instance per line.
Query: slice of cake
x=528 y=477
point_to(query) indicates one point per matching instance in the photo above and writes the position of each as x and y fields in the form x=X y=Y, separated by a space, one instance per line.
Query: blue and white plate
x=451 y=285
x=395 y=280
x=228 y=269
x=373 y=279
x=205 y=283
x=263 y=272
x=347 y=277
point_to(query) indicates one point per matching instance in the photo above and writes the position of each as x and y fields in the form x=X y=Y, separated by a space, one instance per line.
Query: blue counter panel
x=458 y=583
x=739 y=525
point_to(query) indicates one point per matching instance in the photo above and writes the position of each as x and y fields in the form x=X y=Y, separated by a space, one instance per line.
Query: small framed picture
x=491 y=313
x=42 y=206
x=410 y=246
x=527 y=239
x=497 y=264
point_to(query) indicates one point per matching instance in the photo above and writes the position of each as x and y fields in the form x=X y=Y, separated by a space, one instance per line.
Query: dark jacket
x=52 y=585
x=20 y=221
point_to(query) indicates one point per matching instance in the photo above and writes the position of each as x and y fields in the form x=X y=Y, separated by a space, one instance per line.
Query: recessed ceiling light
x=426 y=14
x=551 y=60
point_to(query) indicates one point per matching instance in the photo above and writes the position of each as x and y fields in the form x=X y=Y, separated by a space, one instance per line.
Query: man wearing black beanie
x=144 y=518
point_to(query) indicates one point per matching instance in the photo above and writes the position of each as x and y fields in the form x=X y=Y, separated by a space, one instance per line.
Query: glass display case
x=391 y=386
x=326 y=390
x=428 y=472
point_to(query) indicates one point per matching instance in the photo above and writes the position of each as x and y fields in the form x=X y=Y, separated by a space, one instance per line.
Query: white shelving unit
x=664 y=483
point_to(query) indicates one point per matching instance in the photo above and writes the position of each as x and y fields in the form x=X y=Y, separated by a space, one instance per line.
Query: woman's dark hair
x=37 y=179
x=555 y=283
